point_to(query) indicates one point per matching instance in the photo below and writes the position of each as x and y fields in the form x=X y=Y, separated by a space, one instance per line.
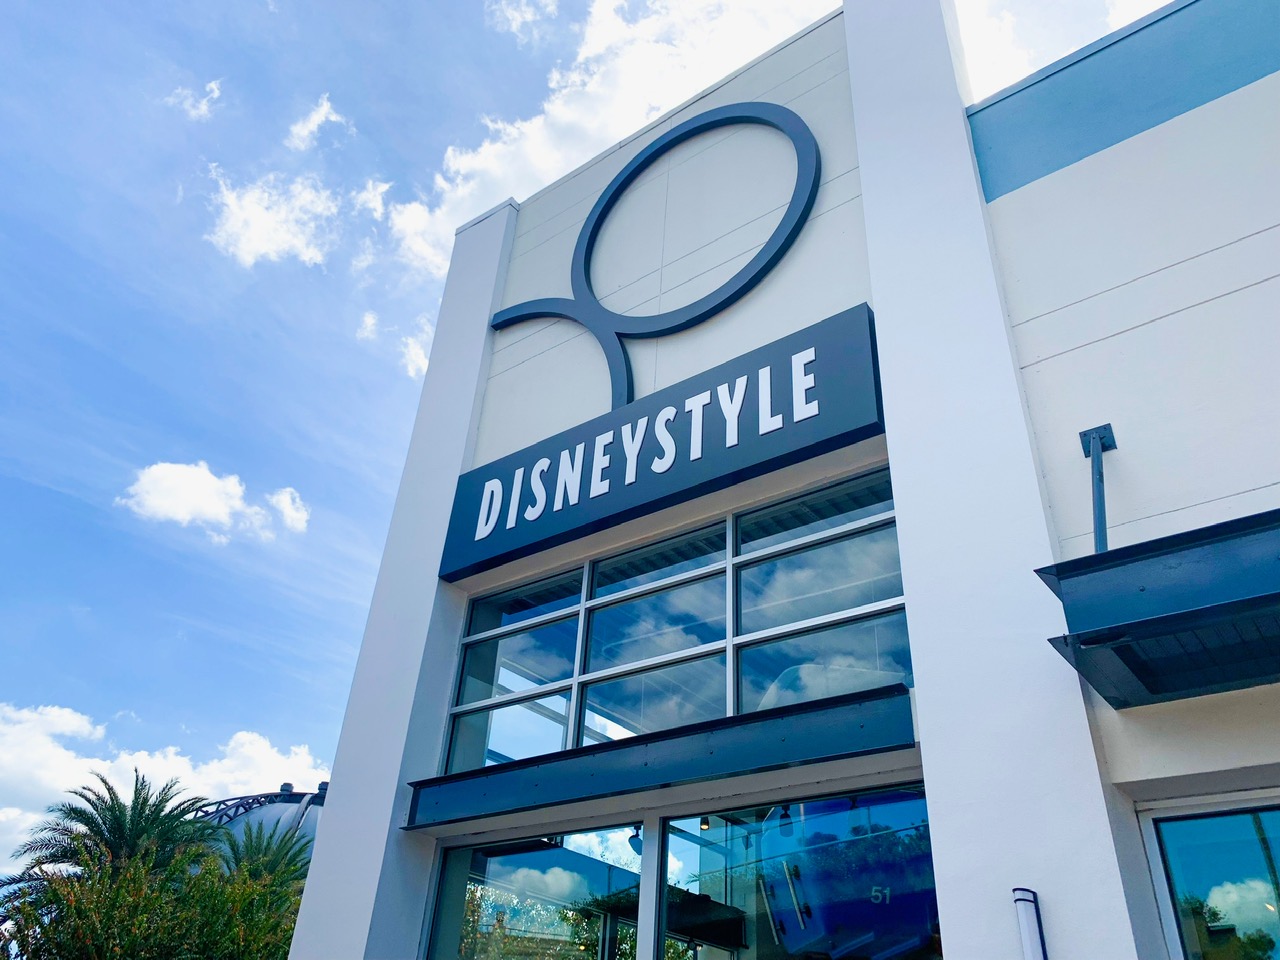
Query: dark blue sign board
x=811 y=392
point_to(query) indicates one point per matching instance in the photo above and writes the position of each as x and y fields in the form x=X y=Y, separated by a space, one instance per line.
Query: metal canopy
x=845 y=726
x=1181 y=616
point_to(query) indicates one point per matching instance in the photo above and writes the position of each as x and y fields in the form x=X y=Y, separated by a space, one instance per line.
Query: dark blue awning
x=1181 y=616
x=846 y=726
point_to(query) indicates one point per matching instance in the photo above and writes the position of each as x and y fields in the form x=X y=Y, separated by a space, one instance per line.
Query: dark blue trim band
x=609 y=327
x=1178 y=58
x=840 y=727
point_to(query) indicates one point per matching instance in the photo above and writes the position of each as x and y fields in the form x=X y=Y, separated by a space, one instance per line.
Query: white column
x=1014 y=791
x=366 y=893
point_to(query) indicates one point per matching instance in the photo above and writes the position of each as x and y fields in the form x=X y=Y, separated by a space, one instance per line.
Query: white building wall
x=684 y=228
x=1012 y=779
x=366 y=892
x=1165 y=326
x=1143 y=286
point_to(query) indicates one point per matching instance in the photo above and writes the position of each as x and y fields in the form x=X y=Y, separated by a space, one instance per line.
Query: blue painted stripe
x=1178 y=58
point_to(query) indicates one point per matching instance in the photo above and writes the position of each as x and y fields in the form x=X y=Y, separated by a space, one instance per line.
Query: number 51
x=880 y=894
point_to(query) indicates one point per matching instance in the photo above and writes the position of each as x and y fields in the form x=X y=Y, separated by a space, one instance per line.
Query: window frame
x=729 y=647
x=653 y=811
x=1152 y=812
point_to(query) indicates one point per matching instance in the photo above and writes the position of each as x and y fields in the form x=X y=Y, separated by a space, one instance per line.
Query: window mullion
x=730 y=626
x=572 y=728
x=652 y=879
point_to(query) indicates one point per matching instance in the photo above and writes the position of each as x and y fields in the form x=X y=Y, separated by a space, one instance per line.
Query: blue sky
x=223 y=232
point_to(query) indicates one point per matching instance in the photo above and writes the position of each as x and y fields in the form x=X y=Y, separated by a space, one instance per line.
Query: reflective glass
x=525 y=729
x=673 y=619
x=519 y=661
x=844 y=876
x=830 y=577
x=650 y=564
x=1223 y=876
x=824 y=510
x=549 y=898
x=659 y=699
x=525 y=603
x=847 y=658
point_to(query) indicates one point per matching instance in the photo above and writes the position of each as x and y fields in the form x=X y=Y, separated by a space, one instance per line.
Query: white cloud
x=994 y=55
x=294 y=514
x=196 y=109
x=302 y=132
x=191 y=493
x=363 y=260
x=415 y=347
x=370 y=198
x=368 y=326
x=45 y=751
x=1121 y=13
x=630 y=67
x=1250 y=905
x=271 y=219
x=519 y=17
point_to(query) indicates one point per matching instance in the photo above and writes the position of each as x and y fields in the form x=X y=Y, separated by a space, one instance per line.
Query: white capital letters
x=490 y=508
x=517 y=484
x=539 y=488
x=662 y=430
x=631 y=445
x=599 y=461
x=731 y=407
x=569 y=478
x=695 y=406
x=802 y=383
x=769 y=421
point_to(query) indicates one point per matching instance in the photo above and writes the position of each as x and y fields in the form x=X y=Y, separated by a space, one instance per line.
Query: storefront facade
x=741 y=598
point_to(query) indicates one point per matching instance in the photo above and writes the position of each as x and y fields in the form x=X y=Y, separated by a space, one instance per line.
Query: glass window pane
x=673 y=619
x=844 y=876
x=550 y=898
x=824 y=510
x=830 y=577
x=848 y=658
x=525 y=603
x=650 y=564
x=519 y=661
x=525 y=729
x=1223 y=877
x=655 y=700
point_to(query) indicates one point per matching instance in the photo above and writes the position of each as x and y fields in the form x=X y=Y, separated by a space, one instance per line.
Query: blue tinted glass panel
x=848 y=658
x=1223 y=878
x=525 y=603
x=547 y=898
x=519 y=661
x=830 y=577
x=673 y=619
x=824 y=510
x=651 y=564
x=848 y=876
x=529 y=728
x=655 y=700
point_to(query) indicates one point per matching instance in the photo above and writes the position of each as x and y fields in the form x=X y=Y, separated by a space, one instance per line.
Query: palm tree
x=103 y=830
x=261 y=854
x=117 y=831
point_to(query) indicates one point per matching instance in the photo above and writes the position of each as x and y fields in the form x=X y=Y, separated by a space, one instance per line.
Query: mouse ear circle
x=808 y=174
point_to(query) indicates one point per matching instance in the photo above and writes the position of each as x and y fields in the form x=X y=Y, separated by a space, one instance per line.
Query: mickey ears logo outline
x=609 y=328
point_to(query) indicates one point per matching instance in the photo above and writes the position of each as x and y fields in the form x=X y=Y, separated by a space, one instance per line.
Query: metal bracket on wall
x=1096 y=441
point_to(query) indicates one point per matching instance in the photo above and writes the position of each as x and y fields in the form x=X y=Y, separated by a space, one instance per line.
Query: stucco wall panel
x=1163 y=325
x=687 y=225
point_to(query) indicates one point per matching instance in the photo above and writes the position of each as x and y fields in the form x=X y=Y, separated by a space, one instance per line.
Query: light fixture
x=636 y=842
x=785 y=826
x=704 y=824
x=1027 y=904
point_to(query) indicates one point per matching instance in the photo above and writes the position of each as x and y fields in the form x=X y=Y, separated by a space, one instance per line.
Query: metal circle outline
x=808 y=174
